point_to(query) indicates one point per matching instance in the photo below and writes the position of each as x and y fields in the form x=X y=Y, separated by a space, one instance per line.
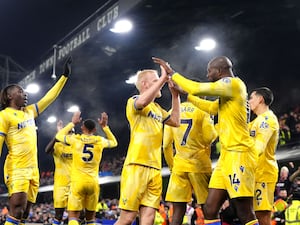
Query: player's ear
x=261 y=99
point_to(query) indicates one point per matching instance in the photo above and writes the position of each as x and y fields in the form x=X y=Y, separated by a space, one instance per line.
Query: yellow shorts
x=140 y=185
x=83 y=195
x=23 y=180
x=264 y=196
x=182 y=184
x=60 y=196
x=234 y=173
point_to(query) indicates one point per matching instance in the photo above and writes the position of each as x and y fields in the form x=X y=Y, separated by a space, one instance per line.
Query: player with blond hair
x=141 y=181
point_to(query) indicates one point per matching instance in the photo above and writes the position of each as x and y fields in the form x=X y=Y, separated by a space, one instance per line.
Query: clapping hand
x=103 y=120
x=164 y=64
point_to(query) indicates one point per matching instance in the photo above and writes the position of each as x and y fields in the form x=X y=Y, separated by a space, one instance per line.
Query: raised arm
x=208 y=128
x=222 y=87
x=53 y=93
x=174 y=119
x=149 y=93
x=111 y=139
x=219 y=88
x=168 y=146
x=211 y=107
x=62 y=135
x=50 y=146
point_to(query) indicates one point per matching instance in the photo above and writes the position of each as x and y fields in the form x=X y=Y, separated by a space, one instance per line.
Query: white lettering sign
x=74 y=43
x=107 y=18
x=93 y=28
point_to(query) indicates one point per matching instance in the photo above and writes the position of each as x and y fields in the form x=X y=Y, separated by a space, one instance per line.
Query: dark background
x=261 y=37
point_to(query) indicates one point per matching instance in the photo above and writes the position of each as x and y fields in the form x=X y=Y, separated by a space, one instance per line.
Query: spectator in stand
x=158 y=218
x=101 y=210
x=279 y=207
x=292 y=213
x=198 y=217
x=294 y=175
x=295 y=140
x=283 y=181
x=291 y=121
x=189 y=212
x=284 y=132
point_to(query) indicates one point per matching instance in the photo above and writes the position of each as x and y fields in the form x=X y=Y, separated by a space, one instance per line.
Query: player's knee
x=58 y=217
x=18 y=213
x=59 y=212
x=209 y=212
x=245 y=216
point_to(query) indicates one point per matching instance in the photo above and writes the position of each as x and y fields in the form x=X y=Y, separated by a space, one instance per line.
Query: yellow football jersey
x=265 y=131
x=63 y=157
x=232 y=108
x=18 y=129
x=192 y=140
x=87 y=151
x=145 y=134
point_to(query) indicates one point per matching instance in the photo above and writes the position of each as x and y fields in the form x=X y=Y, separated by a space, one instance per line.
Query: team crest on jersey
x=236 y=187
x=263 y=185
x=264 y=125
x=226 y=80
x=124 y=200
x=242 y=169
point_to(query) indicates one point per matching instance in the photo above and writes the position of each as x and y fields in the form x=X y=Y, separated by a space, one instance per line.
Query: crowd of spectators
x=287 y=195
x=289 y=136
x=44 y=212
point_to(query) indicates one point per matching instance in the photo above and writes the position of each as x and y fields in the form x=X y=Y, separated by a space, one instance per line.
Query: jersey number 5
x=87 y=149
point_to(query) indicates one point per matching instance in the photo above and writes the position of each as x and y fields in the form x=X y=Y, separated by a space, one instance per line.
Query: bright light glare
x=73 y=108
x=206 y=45
x=122 y=26
x=32 y=88
x=51 y=119
x=131 y=80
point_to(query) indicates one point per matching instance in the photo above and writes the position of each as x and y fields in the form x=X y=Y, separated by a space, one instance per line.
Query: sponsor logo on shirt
x=25 y=123
x=154 y=116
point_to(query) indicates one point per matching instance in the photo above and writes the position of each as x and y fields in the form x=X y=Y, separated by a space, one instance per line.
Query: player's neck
x=15 y=107
x=261 y=109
